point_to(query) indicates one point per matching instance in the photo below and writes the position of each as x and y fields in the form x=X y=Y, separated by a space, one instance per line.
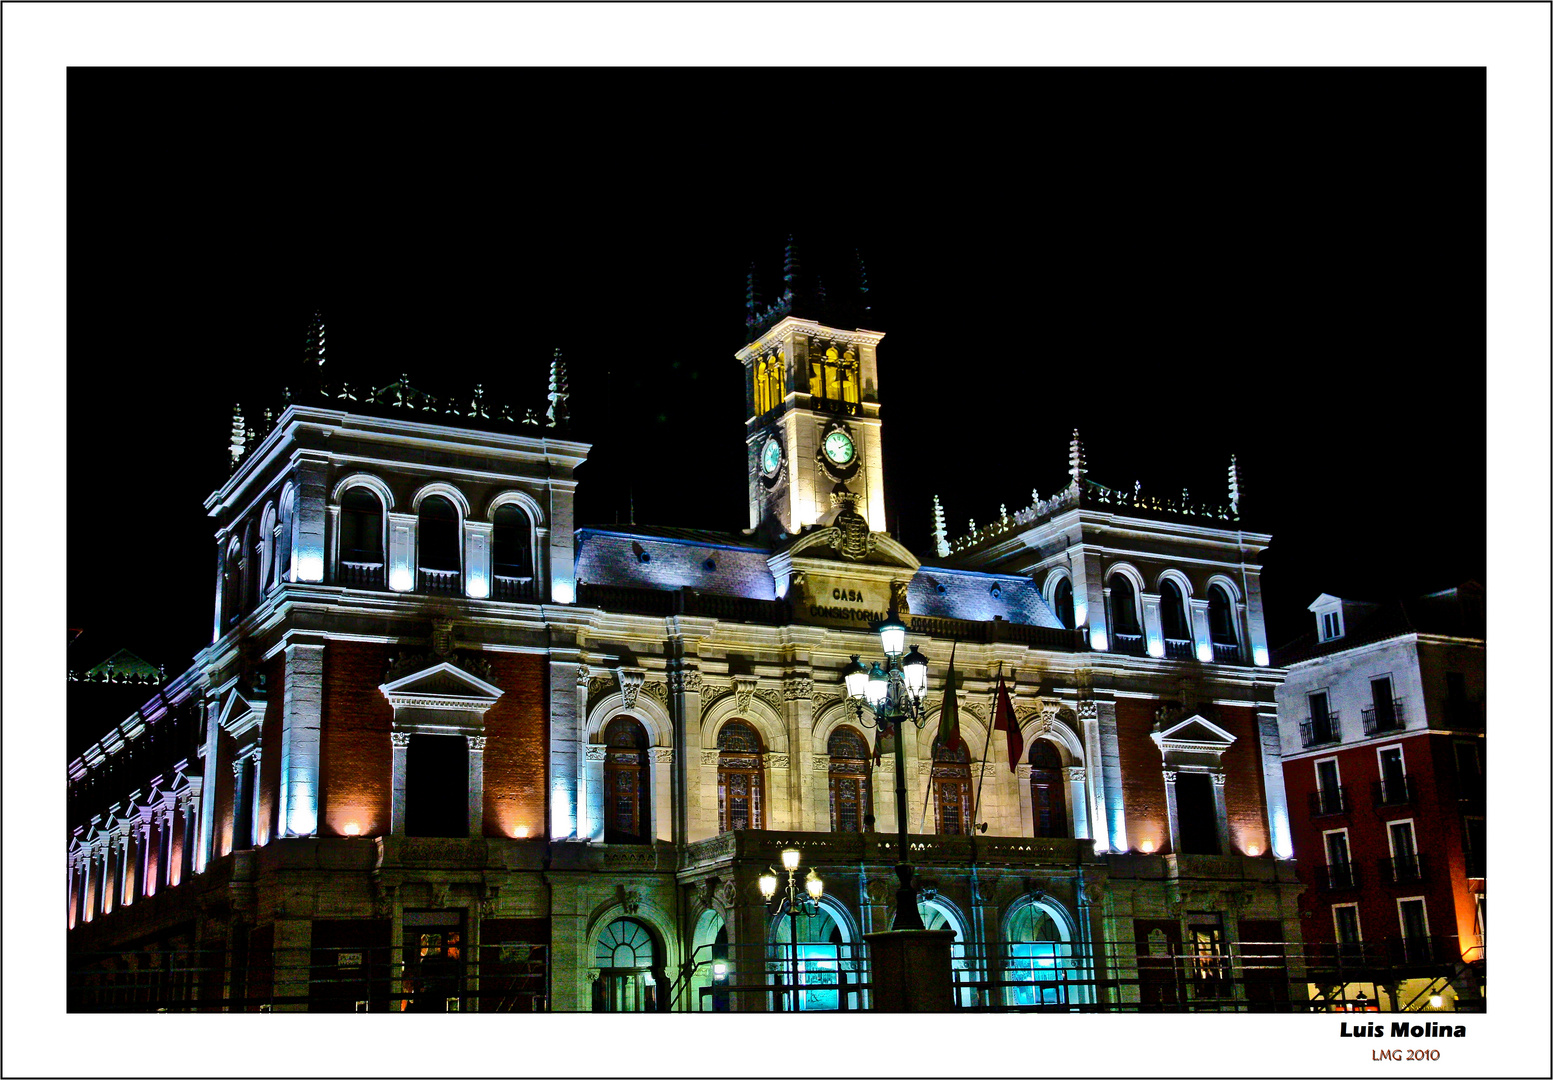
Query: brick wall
x=1143 y=785
x=269 y=742
x=226 y=786
x=515 y=746
x=356 y=755
x=1245 y=797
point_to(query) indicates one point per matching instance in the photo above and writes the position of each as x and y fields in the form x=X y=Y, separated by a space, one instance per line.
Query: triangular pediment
x=1193 y=733
x=240 y=710
x=445 y=680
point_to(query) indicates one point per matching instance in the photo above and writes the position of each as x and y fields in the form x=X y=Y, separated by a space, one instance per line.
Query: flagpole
x=986 y=751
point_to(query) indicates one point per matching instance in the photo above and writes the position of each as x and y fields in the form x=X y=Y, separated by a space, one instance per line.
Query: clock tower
x=811 y=426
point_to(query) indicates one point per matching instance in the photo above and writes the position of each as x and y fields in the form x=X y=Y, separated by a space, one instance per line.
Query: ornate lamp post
x=885 y=698
x=793 y=902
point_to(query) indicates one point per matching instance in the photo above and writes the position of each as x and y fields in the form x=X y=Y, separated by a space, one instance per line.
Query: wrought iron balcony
x=1319 y=730
x=1380 y=718
x=1226 y=654
x=1327 y=801
x=439 y=582
x=1178 y=649
x=1339 y=876
x=1404 y=869
x=1398 y=791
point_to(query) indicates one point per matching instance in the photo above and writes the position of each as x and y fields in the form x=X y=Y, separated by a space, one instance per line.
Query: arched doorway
x=630 y=969
x=824 y=949
x=938 y=915
x=626 y=820
x=1040 y=956
x=1048 y=801
x=740 y=789
x=851 y=802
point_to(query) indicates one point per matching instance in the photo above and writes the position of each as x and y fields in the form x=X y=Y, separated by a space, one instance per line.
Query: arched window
x=1124 y=616
x=1172 y=616
x=625 y=783
x=1048 y=803
x=768 y=384
x=952 y=790
x=361 y=539
x=1062 y=601
x=850 y=798
x=1221 y=624
x=437 y=535
x=231 y=584
x=251 y=588
x=739 y=787
x=833 y=376
x=512 y=554
x=267 y=549
x=630 y=971
x=1040 y=959
x=937 y=915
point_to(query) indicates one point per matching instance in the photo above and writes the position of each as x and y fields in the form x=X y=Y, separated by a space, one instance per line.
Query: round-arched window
x=1124 y=606
x=1062 y=601
x=511 y=546
x=850 y=797
x=438 y=534
x=629 y=969
x=1040 y=958
x=625 y=782
x=1221 y=617
x=1048 y=800
x=1172 y=610
x=740 y=788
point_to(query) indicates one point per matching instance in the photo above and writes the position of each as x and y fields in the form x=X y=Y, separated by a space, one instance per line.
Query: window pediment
x=1193 y=735
x=241 y=711
x=442 y=686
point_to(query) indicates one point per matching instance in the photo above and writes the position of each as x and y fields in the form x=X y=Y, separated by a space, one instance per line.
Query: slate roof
x=1457 y=612
x=658 y=557
x=979 y=597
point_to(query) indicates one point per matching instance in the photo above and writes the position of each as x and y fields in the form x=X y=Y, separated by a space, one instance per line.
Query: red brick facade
x=356 y=754
x=515 y=746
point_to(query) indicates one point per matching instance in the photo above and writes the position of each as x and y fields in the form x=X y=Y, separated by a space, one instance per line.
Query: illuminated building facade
x=1383 y=725
x=447 y=750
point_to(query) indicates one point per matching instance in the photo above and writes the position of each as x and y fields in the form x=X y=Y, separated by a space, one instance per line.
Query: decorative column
x=396 y=791
x=685 y=711
x=663 y=792
x=215 y=634
x=798 y=702
x=1170 y=809
x=301 y=730
x=590 y=824
x=125 y=883
x=778 y=778
x=1078 y=803
x=1090 y=603
x=1257 y=630
x=253 y=829
x=144 y=885
x=207 y=824
x=1026 y=800
x=186 y=862
x=1110 y=763
x=1153 y=627
x=165 y=874
x=1220 y=810
x=239 y=797
x=312 y=495
x=476 y=784
x=1202 y=639
x=1270 y=745
x=401 y=552
x=478 y=583
x=1094 y=790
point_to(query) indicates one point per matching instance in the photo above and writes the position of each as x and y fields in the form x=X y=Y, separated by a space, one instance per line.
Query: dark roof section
x=1456 y=612
x=939 y=592
x=658 y=557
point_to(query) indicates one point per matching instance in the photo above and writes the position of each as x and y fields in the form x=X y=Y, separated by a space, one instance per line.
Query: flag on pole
x=949 y=717
x=884 y=744
x=1003 y=720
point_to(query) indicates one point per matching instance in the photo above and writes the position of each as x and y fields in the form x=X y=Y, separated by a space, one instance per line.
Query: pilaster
x=476 y=744
x=301 y=731
x=477 y=558
x=401 y=742
x=1270 y=749
x=401 y=551
x=1170 y=810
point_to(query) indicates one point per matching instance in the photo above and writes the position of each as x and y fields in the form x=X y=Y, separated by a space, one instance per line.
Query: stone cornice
x=791 y=324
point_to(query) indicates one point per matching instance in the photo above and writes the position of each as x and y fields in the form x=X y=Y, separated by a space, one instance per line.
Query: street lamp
x=793 y=903
x=883 y=697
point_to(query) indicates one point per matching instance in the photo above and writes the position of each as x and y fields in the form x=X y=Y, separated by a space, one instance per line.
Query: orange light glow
x=521 y=832
x=1254 y=850
x=352 y=829
x=1147 y=847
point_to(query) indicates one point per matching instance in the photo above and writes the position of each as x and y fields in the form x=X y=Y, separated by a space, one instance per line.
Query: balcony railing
x=1127 y=644
x=1178 y=649
x=1319 y=730
x=361 y=575
x=439 y=582
x=1398 y=791
x=1226 y=654
x=1404 y=869
x=1380 y=718
x=1340 y=876
x=1357 y=957
x=1327 y=801
x=513 y=588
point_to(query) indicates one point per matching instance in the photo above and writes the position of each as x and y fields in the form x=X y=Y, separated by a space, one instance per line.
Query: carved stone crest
x=709 y=757
x=630 y=899
x=439 y=894
x=798 y=686
x=727 y=895
x=743 y=690
x=663 y=755
x=630 y=682
x=775 y=761
x=853 y=539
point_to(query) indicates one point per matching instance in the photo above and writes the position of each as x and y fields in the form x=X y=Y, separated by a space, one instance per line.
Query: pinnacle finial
x=313 y=345
x=1234 y=486
x=940 y=533
x=239 y=444
x=789 y=269
x=556 y=416
x=862 y=279
x=1076 y=467
x=751 y=300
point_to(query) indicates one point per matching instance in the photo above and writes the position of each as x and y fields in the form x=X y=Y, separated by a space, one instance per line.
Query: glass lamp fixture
x=768 y=884
x=878 y=685
x=790 y=859
x=856 y=677
x=892 y=633
x=719 y=969
x=815 y=886
x=915 y=669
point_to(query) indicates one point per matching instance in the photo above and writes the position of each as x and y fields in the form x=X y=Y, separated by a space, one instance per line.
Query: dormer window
x=1331 y=625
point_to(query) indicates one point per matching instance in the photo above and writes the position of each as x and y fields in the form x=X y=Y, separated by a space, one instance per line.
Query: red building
x=1382 y=721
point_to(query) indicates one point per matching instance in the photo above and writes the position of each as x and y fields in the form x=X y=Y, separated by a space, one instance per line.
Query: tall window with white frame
x=1406 y=862
x=1339 y=869
x=1125 y=627
x=512 y=552
x=1172 y=610
x=361 y=539
x=1221 y=626
x=437 y=534
x=1345 y=926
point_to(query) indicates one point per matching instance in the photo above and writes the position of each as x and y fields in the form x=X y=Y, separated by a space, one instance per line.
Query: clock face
x=838 y=447
x=770 y=457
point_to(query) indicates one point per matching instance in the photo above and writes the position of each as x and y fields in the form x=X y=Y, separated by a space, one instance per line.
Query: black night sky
x=1283 y=264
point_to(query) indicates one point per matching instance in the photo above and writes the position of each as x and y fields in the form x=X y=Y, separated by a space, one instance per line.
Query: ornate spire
x=940 y=533
x=557 y=414
x=751 y=298
x=789 y=269
x=313 y=344
x=862 y=281
x=239 y=444
x=1076 y=468
x=1234 y=486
